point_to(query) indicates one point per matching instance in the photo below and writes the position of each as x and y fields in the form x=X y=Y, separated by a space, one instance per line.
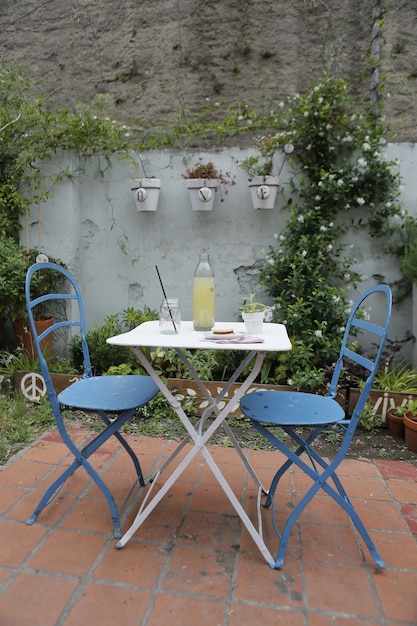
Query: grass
x=21 y=422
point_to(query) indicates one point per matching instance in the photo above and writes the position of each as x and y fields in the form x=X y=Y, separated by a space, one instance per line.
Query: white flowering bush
x=340 y=178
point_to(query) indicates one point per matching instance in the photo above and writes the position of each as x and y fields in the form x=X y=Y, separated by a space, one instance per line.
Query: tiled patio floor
x=191 y=564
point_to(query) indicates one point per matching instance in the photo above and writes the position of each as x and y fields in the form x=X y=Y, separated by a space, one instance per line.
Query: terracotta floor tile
x=234 y=474
x=74 y=485
x=51 y=514
x=257 y=582
x=123 y=463
x=247 y=544
x=161 y=525
x=332 y=544
x=409 y=511
x=266 y=476
x=120 y=486
x=224 y=455
x=397 y=593
x=152 y=446
x=355 y=487
x=177 y=497
x=108 y=605
x=212 y=499
x=326 y=587
x=397 y=469
x=100 y=458
x=242 y=614
x=8 y=496
x=356 y=467
x=261 y=459
x=68 y=552
x=77 y=435
x=35 y=598
x=322 y=509
x=381 y=515
x=138 y=564
x=17 y=541
x=315 y=619
x=23 y=473
x=211 y=530
x=403 y=490
x=174 y=610
x=195 y=570
x=190 y=563
x=46 y=452
x=388 y=543
x=91 y=514
x=366 y=488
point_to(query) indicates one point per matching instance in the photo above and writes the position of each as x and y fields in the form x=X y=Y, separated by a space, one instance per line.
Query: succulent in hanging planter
x=203 y=180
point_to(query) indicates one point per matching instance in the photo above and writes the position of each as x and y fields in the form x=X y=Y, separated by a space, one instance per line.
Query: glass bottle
x=204 y=295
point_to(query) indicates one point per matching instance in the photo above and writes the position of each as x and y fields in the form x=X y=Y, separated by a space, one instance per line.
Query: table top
x=275 y=338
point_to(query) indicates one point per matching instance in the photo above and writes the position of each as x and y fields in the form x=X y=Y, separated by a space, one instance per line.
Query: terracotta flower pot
x=395 y=424
x=24 y=337
x=410 y=427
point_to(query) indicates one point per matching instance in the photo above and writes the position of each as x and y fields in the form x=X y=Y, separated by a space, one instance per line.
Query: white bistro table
x=274 y=339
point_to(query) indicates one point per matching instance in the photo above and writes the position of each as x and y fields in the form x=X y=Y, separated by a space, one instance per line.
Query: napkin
x=240 y=338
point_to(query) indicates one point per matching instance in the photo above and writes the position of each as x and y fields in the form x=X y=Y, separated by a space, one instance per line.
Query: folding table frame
x=275 y=339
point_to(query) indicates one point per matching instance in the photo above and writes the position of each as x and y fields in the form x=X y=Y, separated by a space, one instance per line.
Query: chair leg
x=56 y=486
x=319 y=482
x=127 y=447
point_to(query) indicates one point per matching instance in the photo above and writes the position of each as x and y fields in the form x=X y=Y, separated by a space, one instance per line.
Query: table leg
x=200 y=439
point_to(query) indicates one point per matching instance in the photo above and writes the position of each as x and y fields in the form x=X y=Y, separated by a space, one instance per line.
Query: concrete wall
x=92 y=224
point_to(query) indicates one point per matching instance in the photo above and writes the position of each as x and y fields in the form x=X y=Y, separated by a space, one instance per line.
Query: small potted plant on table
x=253 y=314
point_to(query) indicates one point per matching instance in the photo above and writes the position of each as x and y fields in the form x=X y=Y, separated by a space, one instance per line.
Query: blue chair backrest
x=376 y=334
x=69 y=292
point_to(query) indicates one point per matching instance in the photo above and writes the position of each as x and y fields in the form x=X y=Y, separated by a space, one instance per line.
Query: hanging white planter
x=263 y=190
x=146 y=193
x=202 y=192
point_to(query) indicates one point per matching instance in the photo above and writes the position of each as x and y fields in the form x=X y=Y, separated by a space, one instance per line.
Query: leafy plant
x=104 y=357
x=262 y=164
x=251 y=306
x=369 y=419
x=32 y=128
x=14 y=264
x=208 y=171
x=410 y=410
x=408 y=258
x=339 y=176
x=102 y=354
x=396 y=378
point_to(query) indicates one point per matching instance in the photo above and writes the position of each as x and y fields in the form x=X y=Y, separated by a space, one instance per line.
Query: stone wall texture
x=164 y=58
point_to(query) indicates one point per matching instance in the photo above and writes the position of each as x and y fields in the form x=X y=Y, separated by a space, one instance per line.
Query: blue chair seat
x=109 y=393
x=291 y=408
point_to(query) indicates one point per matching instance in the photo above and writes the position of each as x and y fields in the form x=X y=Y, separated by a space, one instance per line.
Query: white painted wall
x=90 y=216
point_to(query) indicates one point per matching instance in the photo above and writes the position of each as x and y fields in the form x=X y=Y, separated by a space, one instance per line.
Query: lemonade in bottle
x=204 y=295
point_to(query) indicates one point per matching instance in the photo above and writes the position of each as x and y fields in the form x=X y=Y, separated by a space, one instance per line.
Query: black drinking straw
x=166 y=299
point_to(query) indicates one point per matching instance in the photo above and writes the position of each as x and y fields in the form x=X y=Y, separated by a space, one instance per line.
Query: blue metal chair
x=293 y=412
x=114 y=398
